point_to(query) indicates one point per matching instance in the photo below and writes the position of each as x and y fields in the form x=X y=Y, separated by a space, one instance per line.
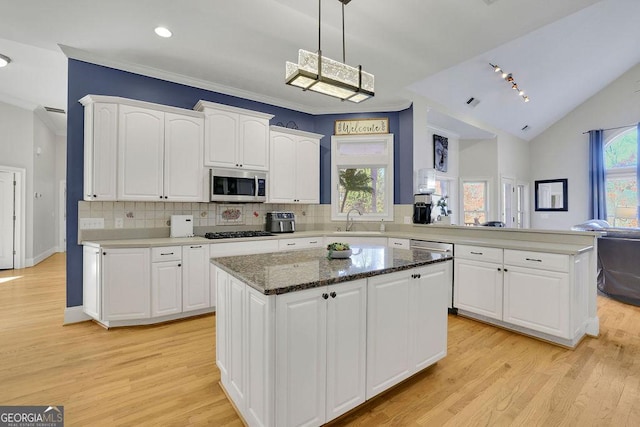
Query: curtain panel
x=597 y=184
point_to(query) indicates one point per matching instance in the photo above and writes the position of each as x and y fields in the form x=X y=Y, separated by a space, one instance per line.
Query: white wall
x=562 y=151
x=45 y=191
x=61 y=176
x=479 y=160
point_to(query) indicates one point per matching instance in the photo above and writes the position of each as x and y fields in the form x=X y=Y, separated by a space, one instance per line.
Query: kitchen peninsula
x=302 y=339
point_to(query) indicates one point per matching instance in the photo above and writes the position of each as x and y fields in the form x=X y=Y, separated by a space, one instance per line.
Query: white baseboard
x=75 y=315
x=593 y=326
x=30 y=262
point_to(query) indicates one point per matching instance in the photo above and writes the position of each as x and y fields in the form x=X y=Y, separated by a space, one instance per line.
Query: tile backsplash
x=158 y=214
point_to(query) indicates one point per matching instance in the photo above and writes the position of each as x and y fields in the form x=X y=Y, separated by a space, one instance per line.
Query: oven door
x=238 y=186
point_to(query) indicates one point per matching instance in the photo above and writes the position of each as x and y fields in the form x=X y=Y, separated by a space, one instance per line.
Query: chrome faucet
x=350 y=225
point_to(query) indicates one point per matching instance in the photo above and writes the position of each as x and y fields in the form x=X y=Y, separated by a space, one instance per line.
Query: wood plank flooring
x=166 y=375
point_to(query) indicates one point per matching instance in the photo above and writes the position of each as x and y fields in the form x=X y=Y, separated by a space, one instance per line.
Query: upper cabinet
x=294 y=173
x=235 y=138
x=142 y=152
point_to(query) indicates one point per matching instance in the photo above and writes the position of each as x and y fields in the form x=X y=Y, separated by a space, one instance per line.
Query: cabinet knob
x=333 y=294
x=179 y=265
x=161 y=197
x=95 y=195
x=505 y=270
x=104 y=253
x=499 y=269
x=166 y=197
x=325 y=296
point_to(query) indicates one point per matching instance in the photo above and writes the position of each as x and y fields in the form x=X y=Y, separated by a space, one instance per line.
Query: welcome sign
x=362 y=126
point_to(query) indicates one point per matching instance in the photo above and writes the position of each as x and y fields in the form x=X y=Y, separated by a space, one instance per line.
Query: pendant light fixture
x=327 y=76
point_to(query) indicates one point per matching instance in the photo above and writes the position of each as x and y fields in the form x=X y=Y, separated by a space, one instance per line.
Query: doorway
x=12 y=209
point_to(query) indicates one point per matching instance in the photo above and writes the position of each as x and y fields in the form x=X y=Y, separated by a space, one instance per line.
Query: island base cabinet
x=478 y=287
x=407 y=324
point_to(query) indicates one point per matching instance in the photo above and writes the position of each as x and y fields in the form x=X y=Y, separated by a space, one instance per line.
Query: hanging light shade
x=327 y=76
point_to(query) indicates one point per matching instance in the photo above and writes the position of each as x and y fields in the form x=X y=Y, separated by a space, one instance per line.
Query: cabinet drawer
x=541 y=260
x=299 y=243
x=166 y=253
x=479 y=253
x=398 y=243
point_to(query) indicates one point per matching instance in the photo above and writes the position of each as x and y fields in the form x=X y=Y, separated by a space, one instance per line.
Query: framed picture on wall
x=440 y=152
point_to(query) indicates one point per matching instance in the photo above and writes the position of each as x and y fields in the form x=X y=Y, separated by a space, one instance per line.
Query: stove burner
x=236 y=234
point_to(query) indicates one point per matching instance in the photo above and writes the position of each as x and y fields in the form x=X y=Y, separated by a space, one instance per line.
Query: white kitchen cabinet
x=299 y=243
x=185 y=177
x=236 y=341
x=126 y=284
x=234 y=137
x=166 y=280
x=294 y=174
x=536 y=296
x=91 y=279
x=478 y=280
x=195 y=277
x=398 y=243
x=320 y=353
x=222 y=321
x=406 y=324
x=100 y=149
x=140 y=153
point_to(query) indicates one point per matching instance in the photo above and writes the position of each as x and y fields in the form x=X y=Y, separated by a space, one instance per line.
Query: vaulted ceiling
x=559 y=52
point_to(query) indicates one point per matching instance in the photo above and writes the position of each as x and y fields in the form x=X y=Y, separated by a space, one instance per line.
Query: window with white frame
x=621 y=160
x=362 y=177
x=475 y=201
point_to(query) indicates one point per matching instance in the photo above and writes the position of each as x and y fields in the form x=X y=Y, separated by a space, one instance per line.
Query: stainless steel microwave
x=230 y=185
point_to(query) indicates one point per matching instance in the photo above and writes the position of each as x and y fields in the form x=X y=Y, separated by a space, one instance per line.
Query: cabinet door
x=91 y=281
x=126 y=284
x=254 y=143
x=166 y=288
x=388 y=331
x=307 y=167
x=478 y=287
x=236 y=341
x=184 y=172
x=100 y=155
x=301 y=325
x=195 y=277
x=537 y=299
x=221 y=138
x=282 y=174
x=222 y=322
x=140 y=154
x=429 y=314
x=346 y=347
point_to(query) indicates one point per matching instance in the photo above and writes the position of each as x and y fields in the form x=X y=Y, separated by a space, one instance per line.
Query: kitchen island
x=302 y=339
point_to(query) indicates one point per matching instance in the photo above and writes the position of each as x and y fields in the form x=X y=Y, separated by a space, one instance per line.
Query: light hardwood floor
x=166 y=375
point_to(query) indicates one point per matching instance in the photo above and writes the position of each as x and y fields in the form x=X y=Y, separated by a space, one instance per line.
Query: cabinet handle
x=104 y=253
x=533 y=259
x=167 y=253
x=415 y=276
x=313 y=242
x=397 y=244
x=499 y=269
x=291 y=244
x=196 y=247
x=325 y=296
x=505 y=270
x=476 y=253
x=333 y=294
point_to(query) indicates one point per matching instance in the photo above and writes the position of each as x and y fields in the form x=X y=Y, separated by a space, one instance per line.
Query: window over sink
x=362 y=177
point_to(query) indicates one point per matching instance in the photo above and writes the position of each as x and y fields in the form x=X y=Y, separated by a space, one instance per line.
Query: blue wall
x=85 y=78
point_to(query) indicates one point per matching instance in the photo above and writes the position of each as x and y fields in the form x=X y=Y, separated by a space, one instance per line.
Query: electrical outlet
x=407 y=220
x=119 y=222
x=91 y=223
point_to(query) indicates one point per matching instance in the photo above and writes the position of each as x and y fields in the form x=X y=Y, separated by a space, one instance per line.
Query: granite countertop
x=282 y=272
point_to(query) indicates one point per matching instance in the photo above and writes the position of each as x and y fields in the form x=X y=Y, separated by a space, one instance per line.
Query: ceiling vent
x=55 y=110
x=472 y=102
x=525 y=128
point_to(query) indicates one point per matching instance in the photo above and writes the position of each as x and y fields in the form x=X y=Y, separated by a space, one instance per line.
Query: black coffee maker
x=422 y=208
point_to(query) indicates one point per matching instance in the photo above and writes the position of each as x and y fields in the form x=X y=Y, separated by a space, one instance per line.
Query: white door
x=308 y=171
x=7 y=223
x=508 y=201
x=195 y=277
x=301 y=356
x=478 y=287
x=166 y=288
x=346 y=347
x=140 y=154
x=221 y=138
x=184 y=172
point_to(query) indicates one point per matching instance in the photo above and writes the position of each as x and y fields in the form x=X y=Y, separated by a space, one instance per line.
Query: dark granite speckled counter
x=282 y=272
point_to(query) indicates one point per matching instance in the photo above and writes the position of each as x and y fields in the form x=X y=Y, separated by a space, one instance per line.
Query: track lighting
x=508 y=77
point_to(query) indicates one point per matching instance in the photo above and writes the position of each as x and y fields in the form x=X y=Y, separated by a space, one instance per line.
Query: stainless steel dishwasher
x=438 y=247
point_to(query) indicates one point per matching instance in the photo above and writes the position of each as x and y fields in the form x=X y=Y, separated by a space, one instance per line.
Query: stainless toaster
x=281 y=222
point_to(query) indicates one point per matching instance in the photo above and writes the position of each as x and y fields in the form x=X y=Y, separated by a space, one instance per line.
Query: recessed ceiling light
x=163 y=32
x=4 y=60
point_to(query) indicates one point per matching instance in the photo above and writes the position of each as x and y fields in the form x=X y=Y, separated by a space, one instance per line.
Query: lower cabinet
x=126 y=284
x=478 y=287
x=166 y=289
x=407 y=324
x=307 y=357
x=195 y=277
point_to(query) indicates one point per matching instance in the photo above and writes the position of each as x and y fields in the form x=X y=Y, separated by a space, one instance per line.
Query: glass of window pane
x=363 y=189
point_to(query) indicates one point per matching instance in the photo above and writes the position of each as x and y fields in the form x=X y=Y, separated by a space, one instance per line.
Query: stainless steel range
x=237 y=234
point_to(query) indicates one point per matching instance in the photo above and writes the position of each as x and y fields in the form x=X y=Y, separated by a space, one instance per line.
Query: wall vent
x=55 y=110
x=472 y=102
x=525 y=128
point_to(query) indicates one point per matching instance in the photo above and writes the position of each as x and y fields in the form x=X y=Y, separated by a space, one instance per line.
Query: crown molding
x=86 y=56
